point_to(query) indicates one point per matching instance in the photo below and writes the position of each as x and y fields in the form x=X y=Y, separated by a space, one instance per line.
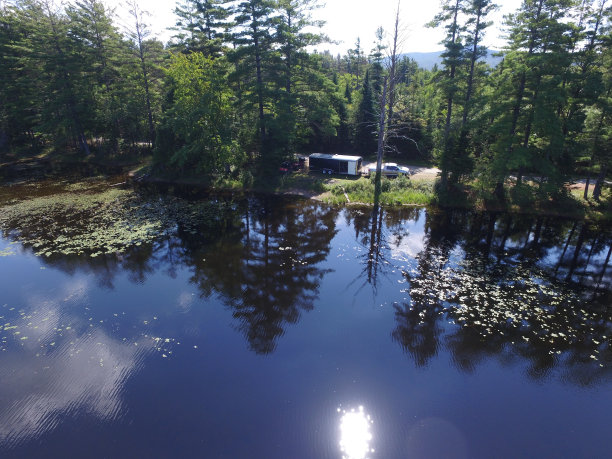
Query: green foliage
x=73 y=80
x=200 y=119
x=366 y=120
x=251 y=93
x=399 y=191
x=202 y=26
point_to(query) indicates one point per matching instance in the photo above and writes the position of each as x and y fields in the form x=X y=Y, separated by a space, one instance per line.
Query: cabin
x=335 y=164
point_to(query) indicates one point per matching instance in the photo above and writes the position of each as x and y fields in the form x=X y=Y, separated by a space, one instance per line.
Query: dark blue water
x=288 y=329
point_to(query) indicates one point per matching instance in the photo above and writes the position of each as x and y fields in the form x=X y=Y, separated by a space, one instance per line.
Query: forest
x=240 y=88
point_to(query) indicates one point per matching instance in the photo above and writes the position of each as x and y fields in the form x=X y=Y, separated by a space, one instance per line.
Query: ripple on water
x=81 y=376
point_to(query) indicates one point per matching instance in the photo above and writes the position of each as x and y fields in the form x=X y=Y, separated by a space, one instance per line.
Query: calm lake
x=144 y=324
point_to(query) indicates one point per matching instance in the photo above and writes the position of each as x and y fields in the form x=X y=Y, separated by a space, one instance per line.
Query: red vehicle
x=287 y=167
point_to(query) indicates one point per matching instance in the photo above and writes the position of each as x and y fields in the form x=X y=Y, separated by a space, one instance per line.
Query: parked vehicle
x=390 y=170
x=335 y=164
x=291 y=166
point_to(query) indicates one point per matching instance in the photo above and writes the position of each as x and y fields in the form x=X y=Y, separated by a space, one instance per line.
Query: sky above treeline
x=348 y=19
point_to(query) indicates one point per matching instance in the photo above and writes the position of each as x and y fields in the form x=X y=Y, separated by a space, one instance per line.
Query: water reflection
x=56 y=364
x=355 y=434
x=380 y=232
x=261 y=255
x=476 y=284
x=485 y=286
x=267 y=269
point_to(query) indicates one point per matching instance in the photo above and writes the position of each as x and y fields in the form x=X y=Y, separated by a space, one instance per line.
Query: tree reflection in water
x=482 y=285
x=377 y=230
x=267 y=269
x=494 y=279
x=260 y=255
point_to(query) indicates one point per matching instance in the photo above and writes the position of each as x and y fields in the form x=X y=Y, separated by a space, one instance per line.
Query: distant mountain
x=428 y=60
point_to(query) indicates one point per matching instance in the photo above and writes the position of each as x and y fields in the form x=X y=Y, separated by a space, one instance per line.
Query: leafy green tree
x=197 y=132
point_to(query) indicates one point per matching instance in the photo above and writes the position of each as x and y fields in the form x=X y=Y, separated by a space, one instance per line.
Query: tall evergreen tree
x=203 y=25
x=536 y=59
x=366 y=121
x=476 y=12
x=69 y=111
x=452 y=60
x=98 y=47
x=303 y=92
x=138 y=34
x=252 y=38
x=21 y=78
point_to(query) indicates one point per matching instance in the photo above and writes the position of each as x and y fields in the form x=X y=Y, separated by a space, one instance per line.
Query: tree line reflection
x=491 y=285
x=480 y=285
x=262 y=256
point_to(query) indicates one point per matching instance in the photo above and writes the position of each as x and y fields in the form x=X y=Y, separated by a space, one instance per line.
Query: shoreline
x=320 y=188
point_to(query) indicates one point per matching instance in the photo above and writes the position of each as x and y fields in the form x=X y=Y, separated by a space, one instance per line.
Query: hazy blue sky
x=348 y=19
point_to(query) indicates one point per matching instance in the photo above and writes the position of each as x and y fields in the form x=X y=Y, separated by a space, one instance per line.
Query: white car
x=390 y=170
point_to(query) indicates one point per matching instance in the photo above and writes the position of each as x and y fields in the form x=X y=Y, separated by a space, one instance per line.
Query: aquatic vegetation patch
x=514 y=306
x=93 y=218
x=7 y=252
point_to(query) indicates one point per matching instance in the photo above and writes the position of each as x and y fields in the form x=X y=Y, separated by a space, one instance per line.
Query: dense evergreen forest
x=239 y=89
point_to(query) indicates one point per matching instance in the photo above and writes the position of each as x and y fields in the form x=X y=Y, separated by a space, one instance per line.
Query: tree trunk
x=577 y=251
x=473 y=58
x=260 y=98
x=516 y=110
x=605 y=267
x=393 y=69
x=381 y=145
x=599 y=183
x=444 y=166
x=569 y=238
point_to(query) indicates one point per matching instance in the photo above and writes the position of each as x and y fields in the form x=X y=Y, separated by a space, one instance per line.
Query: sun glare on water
x=355 y=435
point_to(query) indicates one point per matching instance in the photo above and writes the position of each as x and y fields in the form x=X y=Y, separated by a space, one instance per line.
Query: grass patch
x=395 y=192
x=301 y=181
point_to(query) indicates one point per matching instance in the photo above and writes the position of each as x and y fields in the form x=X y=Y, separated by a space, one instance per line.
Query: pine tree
x=252 y=40
x=100 y=52
x=476 y=12
x=138 y=34
x=366 y=120
x=535 y=61
x=304 y=94
x=452 y=60
x=68 y=113
x=202 y=25
x=21 y=78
